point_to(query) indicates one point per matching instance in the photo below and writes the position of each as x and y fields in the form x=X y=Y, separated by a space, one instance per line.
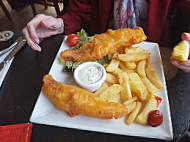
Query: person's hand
x=41 y=26
x=185 y=66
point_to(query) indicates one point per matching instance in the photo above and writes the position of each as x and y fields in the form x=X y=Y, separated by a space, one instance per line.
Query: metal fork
x=12 y=53
x=19 y=39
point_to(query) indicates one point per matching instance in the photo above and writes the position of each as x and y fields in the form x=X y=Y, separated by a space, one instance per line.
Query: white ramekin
x=90 y=87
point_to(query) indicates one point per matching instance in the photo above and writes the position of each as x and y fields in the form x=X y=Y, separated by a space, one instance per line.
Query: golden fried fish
x=75 y=100
x=105 y=43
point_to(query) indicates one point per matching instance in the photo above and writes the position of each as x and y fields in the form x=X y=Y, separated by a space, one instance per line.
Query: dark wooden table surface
x=22 y=84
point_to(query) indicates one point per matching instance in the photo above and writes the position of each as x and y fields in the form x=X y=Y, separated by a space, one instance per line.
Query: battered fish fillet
x=105 y=43
x=75 y=100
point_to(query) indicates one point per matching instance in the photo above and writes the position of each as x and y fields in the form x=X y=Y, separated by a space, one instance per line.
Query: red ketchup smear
x=159 y=100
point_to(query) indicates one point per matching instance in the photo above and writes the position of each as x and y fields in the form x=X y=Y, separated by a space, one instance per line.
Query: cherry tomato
x=72 y=40
x=155 y=118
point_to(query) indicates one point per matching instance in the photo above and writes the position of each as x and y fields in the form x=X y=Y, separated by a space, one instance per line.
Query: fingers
x=53 y=24
x=185 y=36
x=33 y=25
x=32 y=33
x=29 y=41
x=42 y=26
x=185 y=66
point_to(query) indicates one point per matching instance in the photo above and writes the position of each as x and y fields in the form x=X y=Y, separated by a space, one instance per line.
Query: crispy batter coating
x=105 y=43
x=75 y=100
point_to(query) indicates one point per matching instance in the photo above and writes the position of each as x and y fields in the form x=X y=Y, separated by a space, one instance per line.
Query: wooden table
x=21 y=87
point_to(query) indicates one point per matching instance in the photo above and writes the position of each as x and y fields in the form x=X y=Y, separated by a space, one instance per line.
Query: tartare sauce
x=90 y=74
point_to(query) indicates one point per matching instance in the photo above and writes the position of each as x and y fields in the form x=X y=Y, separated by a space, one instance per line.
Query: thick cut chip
x=112 y=65
x=115 y=98
x=133 y=114
x=134 y=57
x=130 y=104
x=130 y=65
x=141 y=68
x=130 y=107
x=123 y=67
x=152 y=76
x=110 y=78
x=110 y=93
x=137 y=86
x=150 y=105
x=124 y=82
x=102 y=88
x=149 y=86
x=134 y=50
x=117 y=71
x=130 y=101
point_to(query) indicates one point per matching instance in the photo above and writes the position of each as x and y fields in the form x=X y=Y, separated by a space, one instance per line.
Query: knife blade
x=12 y=53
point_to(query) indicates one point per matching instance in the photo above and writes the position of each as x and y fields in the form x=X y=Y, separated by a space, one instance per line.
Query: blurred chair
x=46 y=3
x=5 y=9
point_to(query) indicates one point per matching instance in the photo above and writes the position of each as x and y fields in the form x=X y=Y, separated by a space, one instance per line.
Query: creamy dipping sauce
x=90 y=74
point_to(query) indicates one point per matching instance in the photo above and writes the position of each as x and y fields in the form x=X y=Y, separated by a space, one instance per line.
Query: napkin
x=16 y=133
x=4 y=71
x=6 y=39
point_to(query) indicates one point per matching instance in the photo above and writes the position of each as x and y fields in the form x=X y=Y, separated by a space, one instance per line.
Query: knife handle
x=14 y=51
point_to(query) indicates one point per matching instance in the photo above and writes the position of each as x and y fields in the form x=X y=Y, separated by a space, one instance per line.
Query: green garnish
x=84 y=38
x=72 y=65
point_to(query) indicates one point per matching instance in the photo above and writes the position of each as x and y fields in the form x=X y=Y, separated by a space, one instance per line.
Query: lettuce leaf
x=83 y=38
x=72 y=65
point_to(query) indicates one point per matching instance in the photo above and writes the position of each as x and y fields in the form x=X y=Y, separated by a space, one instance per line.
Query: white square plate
x=46 y=113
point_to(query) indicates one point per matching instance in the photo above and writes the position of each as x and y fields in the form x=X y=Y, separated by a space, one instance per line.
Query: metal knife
x=18 y=40
x=12 y=53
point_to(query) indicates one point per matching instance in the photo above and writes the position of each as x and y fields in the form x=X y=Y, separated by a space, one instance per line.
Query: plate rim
x=170 y=133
